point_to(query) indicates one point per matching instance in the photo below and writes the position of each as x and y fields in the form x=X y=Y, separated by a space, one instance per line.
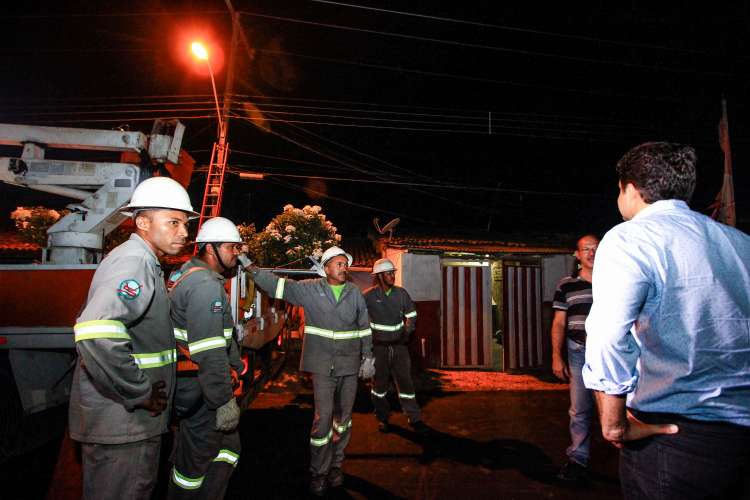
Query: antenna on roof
x=387 y=228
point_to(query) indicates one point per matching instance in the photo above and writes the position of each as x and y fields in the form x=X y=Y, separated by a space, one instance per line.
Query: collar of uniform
x=661 y=206
x=323 y=283
x=196 y=262
x=142 y=242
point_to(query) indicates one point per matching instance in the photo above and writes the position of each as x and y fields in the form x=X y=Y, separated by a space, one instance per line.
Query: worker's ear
x=143 y=221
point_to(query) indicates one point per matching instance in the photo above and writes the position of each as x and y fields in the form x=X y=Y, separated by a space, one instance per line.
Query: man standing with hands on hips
x=668 y=345
x=337 y=346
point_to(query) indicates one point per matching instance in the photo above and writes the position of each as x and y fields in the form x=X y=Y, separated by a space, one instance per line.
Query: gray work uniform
x=125 y=343
x=337 y=336
x=204 y=458
x=392 y=320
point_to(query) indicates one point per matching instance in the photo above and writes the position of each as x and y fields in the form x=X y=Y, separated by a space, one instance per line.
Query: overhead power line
x=493 y=48
x=515 y=28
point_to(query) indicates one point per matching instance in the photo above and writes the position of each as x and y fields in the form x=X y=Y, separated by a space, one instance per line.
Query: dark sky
x=534 y=101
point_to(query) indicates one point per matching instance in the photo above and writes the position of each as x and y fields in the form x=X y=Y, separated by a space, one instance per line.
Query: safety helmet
x=382 y=266
x=218 y=230
x=333 y=252
x=160 y=192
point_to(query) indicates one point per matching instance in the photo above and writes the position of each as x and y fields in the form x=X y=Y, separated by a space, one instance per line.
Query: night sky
x=477 y=117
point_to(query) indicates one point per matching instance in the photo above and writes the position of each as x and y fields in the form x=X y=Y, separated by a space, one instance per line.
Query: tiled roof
x=12 y=241
x=362 y=251
x=517 y=244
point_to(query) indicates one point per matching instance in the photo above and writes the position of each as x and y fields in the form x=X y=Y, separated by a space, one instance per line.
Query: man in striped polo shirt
x=572 y=303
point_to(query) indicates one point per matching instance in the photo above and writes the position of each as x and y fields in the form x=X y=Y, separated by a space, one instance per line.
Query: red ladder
x=212 y=195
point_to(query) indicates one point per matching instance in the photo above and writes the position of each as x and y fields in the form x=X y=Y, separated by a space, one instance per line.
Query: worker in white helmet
x=392 y=320
x=337 y=346
x=120 y=400
x=207 y=445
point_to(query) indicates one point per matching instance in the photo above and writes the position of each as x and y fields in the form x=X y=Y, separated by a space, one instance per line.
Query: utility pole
x=212 y=196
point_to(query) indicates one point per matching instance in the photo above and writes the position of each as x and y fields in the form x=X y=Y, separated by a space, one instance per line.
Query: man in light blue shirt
x=669 y=335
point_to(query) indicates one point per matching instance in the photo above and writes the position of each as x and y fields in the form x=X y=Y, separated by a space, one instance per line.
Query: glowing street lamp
x=199 y=50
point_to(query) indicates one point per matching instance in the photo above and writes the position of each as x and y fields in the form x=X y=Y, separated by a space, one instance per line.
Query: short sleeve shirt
x=573 y=295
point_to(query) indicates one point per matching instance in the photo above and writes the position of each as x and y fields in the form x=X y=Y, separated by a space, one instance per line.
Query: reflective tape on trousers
x=227 y=456
x=322 y=441
x=185 y=482
x=412 y=314
x=378 y=394
x=342 y=428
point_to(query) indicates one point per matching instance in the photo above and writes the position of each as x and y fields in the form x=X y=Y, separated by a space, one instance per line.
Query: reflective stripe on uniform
x=279 y=289
x=342 y=428
x=412 y=314
x=227 y=456
x=100 y=329
x=228 y=333
x=387 y=328
x=406 y=396
x=187 y=483
x=378 y=394
x=331 y=334
x=155 y=359
x=322 y=441
x=207 y=344
x=180 y=334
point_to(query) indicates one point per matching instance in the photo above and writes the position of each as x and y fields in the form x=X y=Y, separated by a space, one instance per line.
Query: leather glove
x=367 y=368
x=227 y=416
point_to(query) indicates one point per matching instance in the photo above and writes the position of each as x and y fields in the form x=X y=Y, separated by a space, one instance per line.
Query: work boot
x=419 y=427
x=335 y=477
x=383 y=426
x=572 y=472
x=318 y=485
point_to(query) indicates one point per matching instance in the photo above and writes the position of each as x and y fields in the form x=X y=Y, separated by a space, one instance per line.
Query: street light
x=199 y=50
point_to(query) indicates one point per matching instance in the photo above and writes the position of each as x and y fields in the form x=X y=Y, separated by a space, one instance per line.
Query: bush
x=290 y=237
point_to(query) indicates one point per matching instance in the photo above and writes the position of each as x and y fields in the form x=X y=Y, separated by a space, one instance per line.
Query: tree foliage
x=290 y=237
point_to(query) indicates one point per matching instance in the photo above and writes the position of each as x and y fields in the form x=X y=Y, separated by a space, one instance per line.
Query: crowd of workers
x=653 y=329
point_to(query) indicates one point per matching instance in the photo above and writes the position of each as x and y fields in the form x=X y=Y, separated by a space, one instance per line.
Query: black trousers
x=394 y=361
x=705 y=460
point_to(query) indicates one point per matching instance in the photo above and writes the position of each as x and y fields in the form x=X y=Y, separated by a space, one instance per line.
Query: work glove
x=244 y=261
x=367 y=368
x=227 y=416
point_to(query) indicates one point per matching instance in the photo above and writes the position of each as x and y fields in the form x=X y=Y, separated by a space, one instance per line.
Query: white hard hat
x=218 y=230
x=160 y=192
x=333 y=252
x=382 y=266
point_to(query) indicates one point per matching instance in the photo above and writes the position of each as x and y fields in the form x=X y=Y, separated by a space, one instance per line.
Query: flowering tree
x=291 y=236
x=32 y=222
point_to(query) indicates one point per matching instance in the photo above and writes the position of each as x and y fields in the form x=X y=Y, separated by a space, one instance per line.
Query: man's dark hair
x=660 y=171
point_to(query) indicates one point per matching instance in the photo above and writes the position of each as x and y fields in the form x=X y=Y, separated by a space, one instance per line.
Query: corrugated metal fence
x=522 y=317
x=466 y=319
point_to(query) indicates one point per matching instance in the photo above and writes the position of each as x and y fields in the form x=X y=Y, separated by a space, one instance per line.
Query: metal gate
x=466 y=319
x=522 y=316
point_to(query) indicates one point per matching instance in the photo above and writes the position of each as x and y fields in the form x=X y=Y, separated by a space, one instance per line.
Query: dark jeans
x=705 y=460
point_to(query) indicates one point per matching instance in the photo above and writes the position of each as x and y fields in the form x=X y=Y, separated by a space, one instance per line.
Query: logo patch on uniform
x=217 y=307
x=129 y=289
